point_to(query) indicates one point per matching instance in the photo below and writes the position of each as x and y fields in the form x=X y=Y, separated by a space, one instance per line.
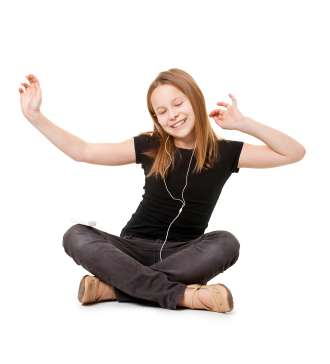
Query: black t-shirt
x=157 y=209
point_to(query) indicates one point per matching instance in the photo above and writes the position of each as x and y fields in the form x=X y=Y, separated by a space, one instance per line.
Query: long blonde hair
x=207 y=151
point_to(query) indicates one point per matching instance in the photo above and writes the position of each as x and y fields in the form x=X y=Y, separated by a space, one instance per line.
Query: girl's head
x=172 y=97
x=171 y=107
x=175 y=96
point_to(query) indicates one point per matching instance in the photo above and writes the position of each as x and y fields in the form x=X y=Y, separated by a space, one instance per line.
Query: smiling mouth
x=179 y=124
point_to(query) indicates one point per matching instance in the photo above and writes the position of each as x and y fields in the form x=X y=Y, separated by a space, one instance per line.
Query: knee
x=72 y=237
x=231 y=242
x=228 y=241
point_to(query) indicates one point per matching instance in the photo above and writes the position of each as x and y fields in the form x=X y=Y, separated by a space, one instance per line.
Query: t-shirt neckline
x=183 y=148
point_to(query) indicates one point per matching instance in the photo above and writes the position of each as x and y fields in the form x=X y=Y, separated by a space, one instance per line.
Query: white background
x=95 y=62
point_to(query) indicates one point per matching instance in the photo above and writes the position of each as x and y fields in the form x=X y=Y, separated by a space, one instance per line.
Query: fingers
x=225 y=104
x=32 y=79
x=217 y=118
x=21 y=91
x=33 y=82
x=25 y=85
x=216 y=112
x=38 y=87
x=233 y=99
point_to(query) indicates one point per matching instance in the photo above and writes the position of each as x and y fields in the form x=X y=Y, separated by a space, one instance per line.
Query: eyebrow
x=172 y=101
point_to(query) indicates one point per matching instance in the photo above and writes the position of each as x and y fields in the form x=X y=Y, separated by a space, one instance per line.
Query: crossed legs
x=113 y=260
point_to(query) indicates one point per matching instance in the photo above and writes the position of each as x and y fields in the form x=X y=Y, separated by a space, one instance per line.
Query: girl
x=162 y=254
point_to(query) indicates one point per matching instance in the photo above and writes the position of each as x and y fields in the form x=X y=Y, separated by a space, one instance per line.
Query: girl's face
x=172 y=107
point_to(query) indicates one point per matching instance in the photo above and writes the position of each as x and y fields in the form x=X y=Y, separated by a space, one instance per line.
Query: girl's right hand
x=31 y=98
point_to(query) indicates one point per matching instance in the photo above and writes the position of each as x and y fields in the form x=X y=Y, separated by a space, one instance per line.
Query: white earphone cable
x=183 y=202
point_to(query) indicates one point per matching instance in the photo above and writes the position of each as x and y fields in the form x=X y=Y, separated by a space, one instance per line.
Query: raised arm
x=108 y=154
x=280 y=149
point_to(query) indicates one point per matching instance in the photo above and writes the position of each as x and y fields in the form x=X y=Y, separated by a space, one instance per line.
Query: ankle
x=184 y=299
x=109 y=295
x=204 y=298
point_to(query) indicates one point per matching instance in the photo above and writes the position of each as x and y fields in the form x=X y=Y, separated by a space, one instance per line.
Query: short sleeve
x=231 y=152
x=143 y=143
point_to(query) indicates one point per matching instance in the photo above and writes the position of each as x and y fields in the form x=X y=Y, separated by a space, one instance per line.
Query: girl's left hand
x=227 y=119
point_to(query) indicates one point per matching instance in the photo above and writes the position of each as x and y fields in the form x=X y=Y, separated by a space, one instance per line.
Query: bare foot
x=109 y=296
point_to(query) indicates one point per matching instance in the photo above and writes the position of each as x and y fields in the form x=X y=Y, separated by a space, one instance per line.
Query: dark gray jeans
x=133 y=266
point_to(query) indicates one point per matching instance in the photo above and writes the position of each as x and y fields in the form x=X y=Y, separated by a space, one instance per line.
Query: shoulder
x=230 y=151
x=144 y=142
x=147 y=137
x=229 y=144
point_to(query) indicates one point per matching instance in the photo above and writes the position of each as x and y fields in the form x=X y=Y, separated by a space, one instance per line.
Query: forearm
x=274 y=139
x=68 y=143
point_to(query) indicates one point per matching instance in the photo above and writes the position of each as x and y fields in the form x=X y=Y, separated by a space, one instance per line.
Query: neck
x=185 y=143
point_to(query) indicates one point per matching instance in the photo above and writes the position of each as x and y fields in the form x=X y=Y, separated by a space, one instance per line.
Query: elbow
x=77 y=159
x=298 y=156
x=301 y=155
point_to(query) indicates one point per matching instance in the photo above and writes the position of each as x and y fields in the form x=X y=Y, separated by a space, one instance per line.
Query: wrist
x=33 y=116
x=243 y=123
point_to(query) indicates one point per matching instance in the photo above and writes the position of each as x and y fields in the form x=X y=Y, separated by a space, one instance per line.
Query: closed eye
x=175 y=105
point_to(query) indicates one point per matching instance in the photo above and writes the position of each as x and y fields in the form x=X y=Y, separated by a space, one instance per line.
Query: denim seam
x=143 y=248
x=107 y=238
x=128 y=245
x=190 y=244
x=152 y=249
x=136 y=248
x=149 y=249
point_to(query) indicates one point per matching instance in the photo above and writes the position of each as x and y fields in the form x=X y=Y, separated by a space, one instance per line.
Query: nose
x=173 y=115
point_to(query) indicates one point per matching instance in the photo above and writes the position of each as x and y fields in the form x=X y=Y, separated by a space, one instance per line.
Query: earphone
x=183 y=202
